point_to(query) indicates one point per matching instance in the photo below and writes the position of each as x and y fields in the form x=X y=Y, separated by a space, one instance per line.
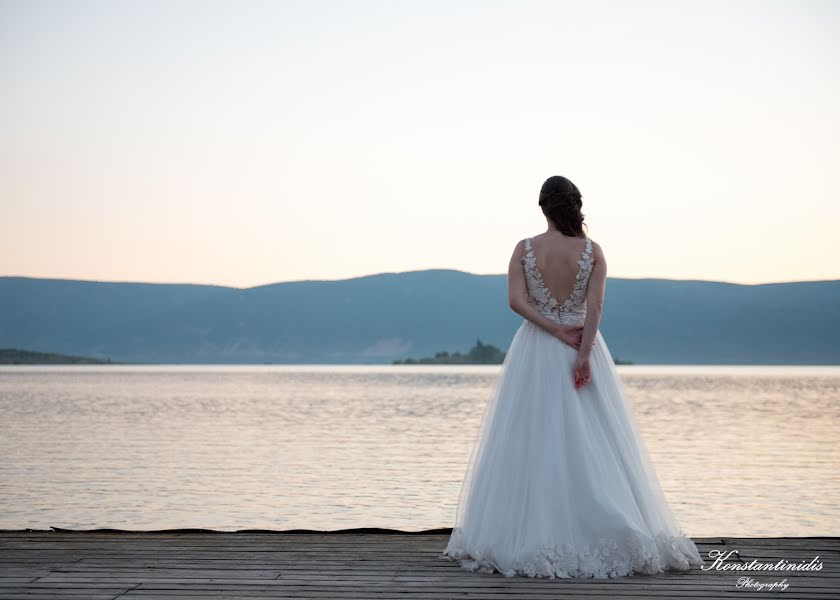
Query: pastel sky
x=245 y=143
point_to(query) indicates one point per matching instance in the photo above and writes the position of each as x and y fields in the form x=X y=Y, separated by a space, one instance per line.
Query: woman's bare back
x=557 y=257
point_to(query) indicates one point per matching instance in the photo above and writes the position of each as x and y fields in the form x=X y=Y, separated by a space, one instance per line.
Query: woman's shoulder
x=521 y=248
x=597 y=251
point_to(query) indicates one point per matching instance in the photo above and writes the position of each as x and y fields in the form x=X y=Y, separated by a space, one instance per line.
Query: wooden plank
x=218 y=565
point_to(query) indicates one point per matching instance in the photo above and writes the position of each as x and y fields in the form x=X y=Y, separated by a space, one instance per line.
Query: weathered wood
x=364 y=564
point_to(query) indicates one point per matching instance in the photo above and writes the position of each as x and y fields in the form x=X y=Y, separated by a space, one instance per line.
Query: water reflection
x=739 y=450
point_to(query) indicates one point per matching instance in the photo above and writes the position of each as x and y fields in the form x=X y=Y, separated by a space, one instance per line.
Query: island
x=14 y=356
x=479 y=354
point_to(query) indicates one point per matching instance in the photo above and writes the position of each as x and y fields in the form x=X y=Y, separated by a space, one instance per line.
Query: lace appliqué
x=603 y=559
x=575 y=305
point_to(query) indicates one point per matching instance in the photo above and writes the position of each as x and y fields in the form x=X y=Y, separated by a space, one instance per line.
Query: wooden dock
x=360 y=564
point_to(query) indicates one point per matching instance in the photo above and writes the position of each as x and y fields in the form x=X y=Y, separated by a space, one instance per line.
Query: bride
x=559 y=483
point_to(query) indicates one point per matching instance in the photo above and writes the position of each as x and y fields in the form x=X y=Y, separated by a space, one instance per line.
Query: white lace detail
x=573 y=309
x=605 y=558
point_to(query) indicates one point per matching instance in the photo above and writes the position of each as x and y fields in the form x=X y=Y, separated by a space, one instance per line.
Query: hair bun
x=561 y=202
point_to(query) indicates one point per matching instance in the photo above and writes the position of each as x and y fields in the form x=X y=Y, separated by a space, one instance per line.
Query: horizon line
x=233 y=287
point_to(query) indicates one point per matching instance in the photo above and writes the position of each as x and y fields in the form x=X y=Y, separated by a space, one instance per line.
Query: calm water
x=749 y=451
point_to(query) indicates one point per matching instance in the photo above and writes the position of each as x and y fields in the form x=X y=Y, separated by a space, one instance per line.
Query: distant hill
x=13 y=356
x=389 y=316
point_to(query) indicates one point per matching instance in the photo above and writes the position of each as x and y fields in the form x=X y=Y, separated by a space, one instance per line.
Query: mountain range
x=388 y=316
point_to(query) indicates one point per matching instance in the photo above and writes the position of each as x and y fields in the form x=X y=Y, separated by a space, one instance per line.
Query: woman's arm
x=594 y=306
x=518 y=302
x=594 y=299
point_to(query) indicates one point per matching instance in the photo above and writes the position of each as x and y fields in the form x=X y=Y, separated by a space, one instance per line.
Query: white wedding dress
x=559 y=483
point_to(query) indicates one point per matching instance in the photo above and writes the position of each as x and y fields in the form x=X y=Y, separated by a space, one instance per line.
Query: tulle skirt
x=559 y=483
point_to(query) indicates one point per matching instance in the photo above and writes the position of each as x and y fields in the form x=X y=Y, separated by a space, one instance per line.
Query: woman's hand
x=581 y=372
x=569 y=334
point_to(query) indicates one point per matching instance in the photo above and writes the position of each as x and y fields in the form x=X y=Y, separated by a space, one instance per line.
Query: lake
x=740 y=451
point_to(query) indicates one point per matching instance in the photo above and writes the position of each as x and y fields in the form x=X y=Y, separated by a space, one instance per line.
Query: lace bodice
x=572 y=311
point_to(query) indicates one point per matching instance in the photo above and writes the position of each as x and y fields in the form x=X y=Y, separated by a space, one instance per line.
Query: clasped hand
x=572 y=335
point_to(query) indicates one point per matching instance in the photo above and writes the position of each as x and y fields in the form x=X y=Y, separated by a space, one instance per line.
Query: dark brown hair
x=561 y=202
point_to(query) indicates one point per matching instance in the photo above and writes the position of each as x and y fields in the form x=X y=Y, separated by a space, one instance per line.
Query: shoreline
x=717 y=539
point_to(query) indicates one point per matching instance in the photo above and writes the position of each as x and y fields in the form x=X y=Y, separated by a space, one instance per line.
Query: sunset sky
x=245 y=143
